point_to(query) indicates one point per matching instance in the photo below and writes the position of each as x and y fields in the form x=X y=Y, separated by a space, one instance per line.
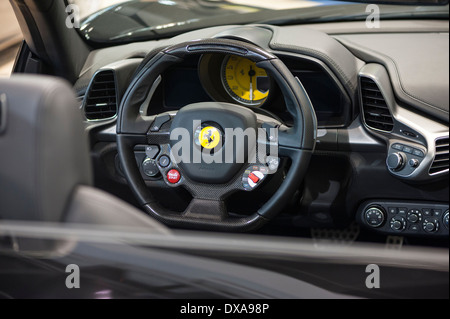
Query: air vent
x=101 y=97
x=376 y=111
x=441 y=160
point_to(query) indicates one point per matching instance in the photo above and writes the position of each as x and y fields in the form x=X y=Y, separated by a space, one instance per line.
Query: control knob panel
x=405 y=218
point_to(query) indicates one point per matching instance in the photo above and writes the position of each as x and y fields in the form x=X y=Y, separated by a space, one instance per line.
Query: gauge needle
x=251 y=73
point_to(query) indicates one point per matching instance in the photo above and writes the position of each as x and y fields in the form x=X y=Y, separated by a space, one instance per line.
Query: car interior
x=358 y=118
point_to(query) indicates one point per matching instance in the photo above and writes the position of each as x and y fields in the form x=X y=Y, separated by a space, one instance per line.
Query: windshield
x=109 y=21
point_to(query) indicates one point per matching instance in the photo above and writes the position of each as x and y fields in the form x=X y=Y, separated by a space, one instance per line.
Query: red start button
x=173 y=176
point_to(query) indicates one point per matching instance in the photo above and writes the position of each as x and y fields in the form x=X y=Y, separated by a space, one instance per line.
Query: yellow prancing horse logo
x=209 y=137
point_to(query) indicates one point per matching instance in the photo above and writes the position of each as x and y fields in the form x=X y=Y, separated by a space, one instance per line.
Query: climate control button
x=414 y=216
x=398 y=223
x=430 y=225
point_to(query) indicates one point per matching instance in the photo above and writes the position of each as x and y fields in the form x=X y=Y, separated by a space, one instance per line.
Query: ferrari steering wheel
x=193 y=148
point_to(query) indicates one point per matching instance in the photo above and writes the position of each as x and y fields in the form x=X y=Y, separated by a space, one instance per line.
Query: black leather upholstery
x=45 y=168
x=44 y=154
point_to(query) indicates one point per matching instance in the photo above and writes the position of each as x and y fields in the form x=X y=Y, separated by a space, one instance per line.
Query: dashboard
x=381 y=101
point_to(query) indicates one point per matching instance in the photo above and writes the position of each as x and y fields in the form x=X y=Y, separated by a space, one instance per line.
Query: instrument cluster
x=235 y=79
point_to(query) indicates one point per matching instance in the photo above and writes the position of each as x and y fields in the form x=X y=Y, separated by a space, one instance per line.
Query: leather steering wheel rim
x=297 y=142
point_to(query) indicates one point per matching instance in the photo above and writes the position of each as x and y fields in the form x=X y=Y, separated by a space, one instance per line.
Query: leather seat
x=45 y=167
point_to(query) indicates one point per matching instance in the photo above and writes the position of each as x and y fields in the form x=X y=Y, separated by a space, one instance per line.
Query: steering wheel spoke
x=131 y=140
x=174 y=176
x=206 y=209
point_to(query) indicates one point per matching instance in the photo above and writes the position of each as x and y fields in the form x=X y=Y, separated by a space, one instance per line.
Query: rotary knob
x=414 y=216
x=398 y=223
x=149 y=167
x=375 y=216
x=413 y=163
x=396 y=161
x=430 y=225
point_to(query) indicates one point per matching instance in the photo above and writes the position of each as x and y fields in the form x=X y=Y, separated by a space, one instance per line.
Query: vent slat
x=104 y=81
x=440 y=166
x=108 y=98
x=366 y=80
x=97 y=113
x=441 y=158
x=373 y=97
x=440 y=162
x=101 y=97
x=442 y=152
x=376 y=112
x=370 y=88
x=378 y=106
x=103 y=90
x=377 y=121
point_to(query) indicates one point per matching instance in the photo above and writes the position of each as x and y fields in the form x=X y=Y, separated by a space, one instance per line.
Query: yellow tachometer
x=244 y=81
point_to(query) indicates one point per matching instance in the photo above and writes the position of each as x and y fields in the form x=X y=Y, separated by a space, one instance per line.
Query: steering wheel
x=228 y=162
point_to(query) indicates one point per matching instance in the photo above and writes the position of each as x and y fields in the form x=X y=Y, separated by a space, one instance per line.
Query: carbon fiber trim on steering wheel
x=243 y=224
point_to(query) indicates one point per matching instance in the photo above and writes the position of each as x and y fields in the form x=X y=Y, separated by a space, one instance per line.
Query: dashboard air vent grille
x=441 y=159
x=375 y=109
x=101 y=97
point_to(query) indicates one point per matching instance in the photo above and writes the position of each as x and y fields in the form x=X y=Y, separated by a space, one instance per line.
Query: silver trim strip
x=427 y=130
